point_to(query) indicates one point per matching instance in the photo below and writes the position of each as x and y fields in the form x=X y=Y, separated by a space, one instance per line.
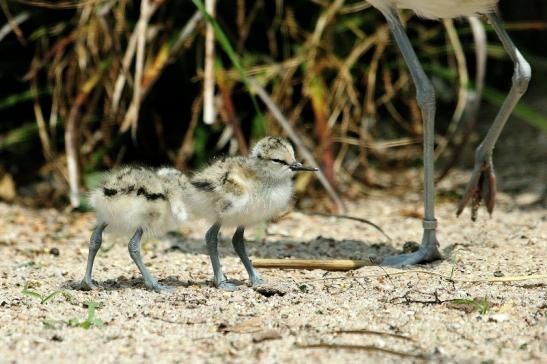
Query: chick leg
x=482 y=185
x=425 y=95
x=134 y=248
x=94 y=246
x=238 y=241
x=211 y=240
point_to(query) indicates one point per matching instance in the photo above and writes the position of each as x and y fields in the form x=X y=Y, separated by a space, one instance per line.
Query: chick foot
x=227 y=286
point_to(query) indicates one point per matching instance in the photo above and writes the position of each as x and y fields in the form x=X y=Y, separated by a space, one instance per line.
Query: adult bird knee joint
x=425 y=96
x=522 y=77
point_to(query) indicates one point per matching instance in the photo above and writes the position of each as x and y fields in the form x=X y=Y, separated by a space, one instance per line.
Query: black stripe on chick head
x=150 y=196
x=203 y=185
x=109 y=192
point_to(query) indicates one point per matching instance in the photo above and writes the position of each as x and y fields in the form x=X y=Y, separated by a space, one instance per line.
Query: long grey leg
x=211 y=240
x=94 y=246
x=238 y=241
x=426 y=100
x=482 y=185
x=134 y=248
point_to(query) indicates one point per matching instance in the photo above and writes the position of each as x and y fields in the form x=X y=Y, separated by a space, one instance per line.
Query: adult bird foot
x=428 y=252
x=481 y=187
x=159 y=288
x=87 y=285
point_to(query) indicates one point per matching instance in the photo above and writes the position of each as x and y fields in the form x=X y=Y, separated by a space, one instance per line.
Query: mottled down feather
x=135 y=196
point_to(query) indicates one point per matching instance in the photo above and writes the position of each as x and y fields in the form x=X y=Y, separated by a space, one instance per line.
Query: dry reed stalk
x=229 y=114
x=13 y=23
x=71 y=138
x=471 y=115
x=331 y=265
x=463 y=84
x=209 y=112
x=147 y=9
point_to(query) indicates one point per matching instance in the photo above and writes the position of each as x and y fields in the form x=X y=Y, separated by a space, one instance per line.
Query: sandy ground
x=46 y=250
x=198 y=323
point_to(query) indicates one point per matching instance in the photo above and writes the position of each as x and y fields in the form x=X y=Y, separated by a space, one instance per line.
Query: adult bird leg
x=425 y=94
x=482 y=185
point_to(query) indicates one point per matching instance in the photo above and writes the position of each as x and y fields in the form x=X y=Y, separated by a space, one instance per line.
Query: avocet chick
x=138 y=201
x=243 y=191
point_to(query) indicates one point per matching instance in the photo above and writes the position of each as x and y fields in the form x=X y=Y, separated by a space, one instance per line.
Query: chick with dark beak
x=243 y=191
x=300 y=167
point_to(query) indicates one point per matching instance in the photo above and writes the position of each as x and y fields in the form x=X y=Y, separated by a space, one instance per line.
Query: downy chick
x=138 y=201
x=243 y=191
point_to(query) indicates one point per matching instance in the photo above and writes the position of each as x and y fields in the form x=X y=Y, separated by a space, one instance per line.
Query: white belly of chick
x=257 y=207
x=125 y=214
x=440 y=9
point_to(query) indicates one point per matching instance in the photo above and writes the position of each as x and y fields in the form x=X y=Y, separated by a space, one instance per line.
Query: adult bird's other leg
x=238 y=241
x=425 y=94
x=211 y=240
x=134 y=248
x=482 y=185
x=94 y=246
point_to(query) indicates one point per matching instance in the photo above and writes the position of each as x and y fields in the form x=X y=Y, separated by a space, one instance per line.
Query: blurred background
x=68 y=71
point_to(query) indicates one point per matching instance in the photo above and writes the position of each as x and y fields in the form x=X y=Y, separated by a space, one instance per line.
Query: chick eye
x=279 y=161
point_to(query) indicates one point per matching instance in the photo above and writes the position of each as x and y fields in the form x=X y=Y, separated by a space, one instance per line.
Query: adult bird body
x=482 y=184
x=440 y=9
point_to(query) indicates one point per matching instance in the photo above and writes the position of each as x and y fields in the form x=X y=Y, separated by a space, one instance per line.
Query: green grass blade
x=522 y=111
x=73 y=322
x=15 y=99
x=91 y=305
x=30 y=293
x=50 y=324
x=454 y=259
x=20 y=135
x=51 y=295
x=463 y=301
x=493 y=96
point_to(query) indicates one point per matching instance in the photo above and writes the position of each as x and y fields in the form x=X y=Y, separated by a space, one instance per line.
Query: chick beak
x=297 y=166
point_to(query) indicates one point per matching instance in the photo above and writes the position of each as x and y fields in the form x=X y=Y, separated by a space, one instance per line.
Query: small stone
x=57 y=338
x=54 y=251
x=439 y=351
x=498 y=273
x=499 y=317
x=410 y=247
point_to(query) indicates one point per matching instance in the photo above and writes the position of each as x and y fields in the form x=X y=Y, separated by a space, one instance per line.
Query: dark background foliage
x=64 y=60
